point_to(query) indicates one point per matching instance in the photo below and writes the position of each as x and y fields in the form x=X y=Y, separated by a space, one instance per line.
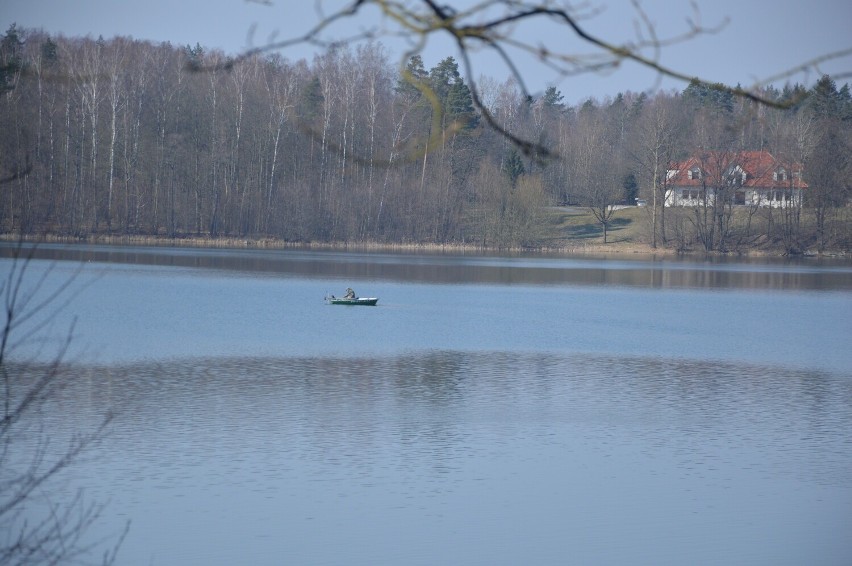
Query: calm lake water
x=490 y=410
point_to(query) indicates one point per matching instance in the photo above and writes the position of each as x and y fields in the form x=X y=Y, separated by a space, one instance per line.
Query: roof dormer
x=737 y=175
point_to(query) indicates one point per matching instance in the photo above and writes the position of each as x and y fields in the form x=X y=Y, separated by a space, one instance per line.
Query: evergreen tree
x=793 y=96
x=713 y=96
x=453 y=94
x=513 y=167
x=10 y=58
x=639 y=105
x=49 y=51
x=442 y=76
x=588 y=106
x=631 y=188
x=413 y=80
x=552 y=99
x=195 y=56
x=844 y=100
x=312 y=100
x=459 y=106
x=824 y=100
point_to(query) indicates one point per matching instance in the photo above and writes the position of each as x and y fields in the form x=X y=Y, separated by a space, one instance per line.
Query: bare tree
x=138 y=84
x=116 y=100
x=90 y=86
x=792 y=140
x=653 y=151
x=280 y=86
x=829 y=166
x=596 y=166
x=28 y=470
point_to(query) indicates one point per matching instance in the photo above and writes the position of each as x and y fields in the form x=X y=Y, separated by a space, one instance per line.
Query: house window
x=737 y=175
x=780 y=175
x=695 y=173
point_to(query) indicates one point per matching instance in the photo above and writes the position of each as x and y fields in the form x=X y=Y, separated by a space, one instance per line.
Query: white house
x=746 y=178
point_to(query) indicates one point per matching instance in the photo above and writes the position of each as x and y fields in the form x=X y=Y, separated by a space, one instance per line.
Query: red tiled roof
x=760 y=168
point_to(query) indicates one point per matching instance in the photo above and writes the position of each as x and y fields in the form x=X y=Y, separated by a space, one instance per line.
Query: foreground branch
x=489 y=25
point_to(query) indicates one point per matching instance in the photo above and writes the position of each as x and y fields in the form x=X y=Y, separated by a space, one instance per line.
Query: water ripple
x=503 y=440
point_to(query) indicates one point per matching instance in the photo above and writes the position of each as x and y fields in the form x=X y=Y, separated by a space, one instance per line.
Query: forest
x=126 y=137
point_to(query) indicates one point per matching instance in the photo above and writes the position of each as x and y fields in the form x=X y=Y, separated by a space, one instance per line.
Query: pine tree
x=513 y=167
x=442 y=76
x=195 y=56
x=459 y=106
x=793 y=96
x=552 y=99
x=413 y=80
x=714 y=96
x=49 y=50
x=312 y=100
x=10 y=58
x=844 y=99
x=631 y=188
x=453 y=94
x=824 y=101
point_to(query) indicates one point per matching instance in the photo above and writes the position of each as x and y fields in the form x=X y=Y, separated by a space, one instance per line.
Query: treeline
x=128 y=137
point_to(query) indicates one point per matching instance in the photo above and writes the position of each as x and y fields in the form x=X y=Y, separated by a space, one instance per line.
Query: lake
x=490 y=410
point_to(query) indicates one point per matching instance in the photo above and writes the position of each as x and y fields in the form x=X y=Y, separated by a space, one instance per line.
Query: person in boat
x=350 y=294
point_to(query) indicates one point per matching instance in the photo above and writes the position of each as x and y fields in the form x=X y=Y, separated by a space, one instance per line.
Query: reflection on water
x=737 y=273
x=453 y=457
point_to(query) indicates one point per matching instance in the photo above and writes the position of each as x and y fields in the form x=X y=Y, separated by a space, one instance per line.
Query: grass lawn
x=578 y=225
x=751 y=231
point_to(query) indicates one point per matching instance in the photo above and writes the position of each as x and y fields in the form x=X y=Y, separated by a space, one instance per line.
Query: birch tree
x=653 y=152
x=89 y=81
x=116 y=98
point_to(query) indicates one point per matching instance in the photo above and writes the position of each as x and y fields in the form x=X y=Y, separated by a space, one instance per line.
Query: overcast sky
x=762 y=38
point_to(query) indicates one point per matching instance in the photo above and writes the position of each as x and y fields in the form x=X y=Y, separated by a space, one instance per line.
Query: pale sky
x=763 y=38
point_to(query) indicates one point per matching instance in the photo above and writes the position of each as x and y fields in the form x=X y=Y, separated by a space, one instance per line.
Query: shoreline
x=570 y=248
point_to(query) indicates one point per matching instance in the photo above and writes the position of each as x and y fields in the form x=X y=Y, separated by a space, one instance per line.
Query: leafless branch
x=28 y=470
x=489 y=24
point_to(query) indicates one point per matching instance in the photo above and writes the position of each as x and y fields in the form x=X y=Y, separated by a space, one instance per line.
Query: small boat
x=351 y=299
x=365 y=301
